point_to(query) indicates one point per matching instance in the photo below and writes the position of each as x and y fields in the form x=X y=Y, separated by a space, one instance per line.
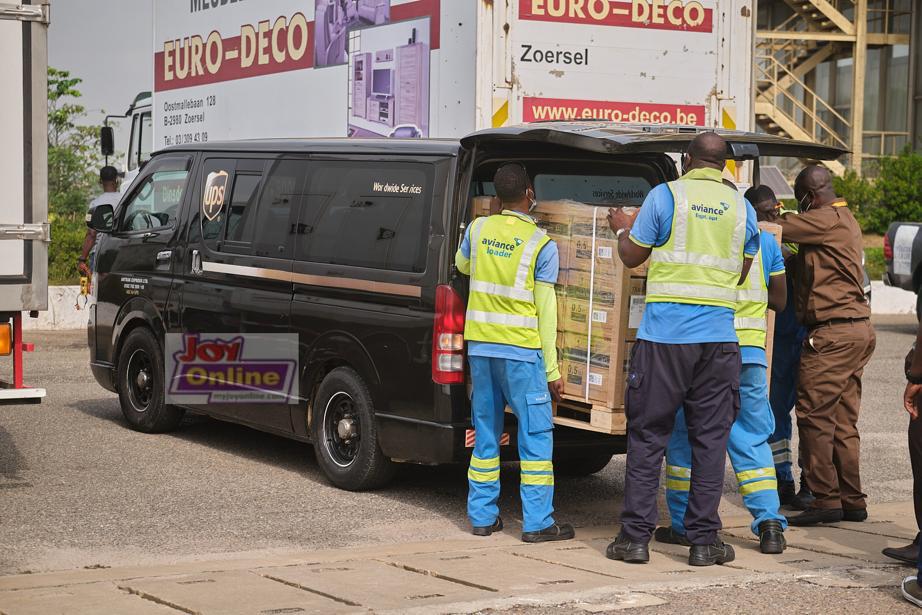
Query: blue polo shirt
x=680 y=323
x=547 y=268
x=772 y=264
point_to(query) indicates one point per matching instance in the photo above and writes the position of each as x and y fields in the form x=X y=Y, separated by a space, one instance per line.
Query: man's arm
x=777 y=292
x=912 y=392
x=632 y=254
x=546 y=303
x=88 y=242
x=463 y=255
x=807 y=228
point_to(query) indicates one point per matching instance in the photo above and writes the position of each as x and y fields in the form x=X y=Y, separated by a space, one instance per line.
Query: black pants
x=705 y=380
x=915 y=456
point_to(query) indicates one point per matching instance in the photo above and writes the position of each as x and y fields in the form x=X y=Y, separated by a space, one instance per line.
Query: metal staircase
x=787 y=54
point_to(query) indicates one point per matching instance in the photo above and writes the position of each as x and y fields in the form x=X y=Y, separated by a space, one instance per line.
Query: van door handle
x=164 y=256
x=196 y=263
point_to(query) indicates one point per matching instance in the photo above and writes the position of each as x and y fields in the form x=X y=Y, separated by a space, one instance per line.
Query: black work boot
x=908 y=554
x=630 y=552
x=488 y=529
x=804 y=499
x=771 y=537
x=558 y=531
x=786 y=492
x=669 y=536
x=856 y=515
x=815 y=516
x=708 y=555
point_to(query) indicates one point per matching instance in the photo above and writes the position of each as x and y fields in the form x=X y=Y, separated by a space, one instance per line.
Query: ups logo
x=213 y=200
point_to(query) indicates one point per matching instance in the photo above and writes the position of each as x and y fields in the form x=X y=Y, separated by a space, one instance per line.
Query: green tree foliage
x=896 y=194
x=73 y=167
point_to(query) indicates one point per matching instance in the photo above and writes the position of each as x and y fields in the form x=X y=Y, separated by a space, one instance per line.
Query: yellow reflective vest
x=752 y=308
x=701 y=262
x=501 y=303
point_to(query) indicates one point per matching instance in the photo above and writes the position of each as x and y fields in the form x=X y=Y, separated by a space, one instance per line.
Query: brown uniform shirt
x=828 y=276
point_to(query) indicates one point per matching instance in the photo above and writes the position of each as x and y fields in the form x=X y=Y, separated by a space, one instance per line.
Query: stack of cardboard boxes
x=599 y=301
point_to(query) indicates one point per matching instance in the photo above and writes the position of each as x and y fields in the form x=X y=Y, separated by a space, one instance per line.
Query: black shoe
x=708 y=555
x=911 y=590
x=815 y=516
x=908 y=554
x=558 y=531
x=630 y=552
x=803 y=500
x=786 y=492
x=771 y=537
x=854 y=514
x=489 y=529
x=669 y=536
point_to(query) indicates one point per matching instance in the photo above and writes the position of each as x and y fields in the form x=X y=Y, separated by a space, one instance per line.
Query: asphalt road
x=80 y=489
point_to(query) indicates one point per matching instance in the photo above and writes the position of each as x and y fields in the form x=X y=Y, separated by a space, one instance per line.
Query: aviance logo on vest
x=499 y=248
x=710 y=211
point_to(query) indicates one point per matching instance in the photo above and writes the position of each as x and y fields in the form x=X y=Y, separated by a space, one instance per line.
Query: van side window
x=241 y=220
x=156 y=200
x=281 y=193
x=217 y=175
x=367 y=214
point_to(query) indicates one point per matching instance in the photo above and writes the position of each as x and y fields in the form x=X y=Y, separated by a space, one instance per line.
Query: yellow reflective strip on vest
x=759 y=485
x=510 y=292
x=677 y=485
x=484 y=464
x=758 y=324
x=483 y=477
x=537 y=466
x=753 y=296
x=509 y=320
x=678 y=290
x=751 y=474
x=538 y=479
x=678 y=471
x=521 y=276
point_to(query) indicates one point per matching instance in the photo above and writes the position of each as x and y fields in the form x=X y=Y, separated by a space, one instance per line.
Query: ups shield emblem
x=213 y=199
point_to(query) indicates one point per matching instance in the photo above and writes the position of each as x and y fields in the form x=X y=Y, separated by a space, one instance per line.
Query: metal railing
x=889 y=142
x=770 y=70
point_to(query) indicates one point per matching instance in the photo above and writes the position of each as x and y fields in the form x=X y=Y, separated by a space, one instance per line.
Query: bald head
x=813 y=187
x=708 y=150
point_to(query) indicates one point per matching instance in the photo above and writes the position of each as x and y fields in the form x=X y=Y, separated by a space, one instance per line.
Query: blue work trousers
x=749 y=453
x=783 y=397
x=523 y=386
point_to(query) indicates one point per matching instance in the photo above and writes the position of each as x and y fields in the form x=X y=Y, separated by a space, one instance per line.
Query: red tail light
x=448 y=337
x=888 y=249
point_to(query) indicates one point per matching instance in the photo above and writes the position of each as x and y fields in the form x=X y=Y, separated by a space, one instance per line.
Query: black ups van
x=348 y=246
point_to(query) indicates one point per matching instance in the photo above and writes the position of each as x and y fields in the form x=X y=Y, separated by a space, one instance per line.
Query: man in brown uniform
x=830 y=302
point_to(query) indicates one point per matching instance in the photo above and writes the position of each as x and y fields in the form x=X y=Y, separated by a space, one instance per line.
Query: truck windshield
x=142 y=137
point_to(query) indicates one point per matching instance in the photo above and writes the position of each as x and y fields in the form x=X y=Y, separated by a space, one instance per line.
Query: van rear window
x=600 y=189
x=362 y=214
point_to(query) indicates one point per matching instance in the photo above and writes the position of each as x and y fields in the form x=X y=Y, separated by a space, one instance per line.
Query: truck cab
x=140 y=139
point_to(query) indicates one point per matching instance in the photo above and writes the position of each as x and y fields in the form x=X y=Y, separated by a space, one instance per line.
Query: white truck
x=239 y=69
x=24 y=228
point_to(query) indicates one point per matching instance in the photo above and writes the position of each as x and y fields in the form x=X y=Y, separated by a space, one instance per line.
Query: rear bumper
x=432 y=443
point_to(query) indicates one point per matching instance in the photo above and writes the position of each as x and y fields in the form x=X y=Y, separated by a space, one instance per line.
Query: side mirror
x=107 y=141
x=102 y=218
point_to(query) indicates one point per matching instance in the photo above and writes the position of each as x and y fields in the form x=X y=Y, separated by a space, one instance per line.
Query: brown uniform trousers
x=828 y=401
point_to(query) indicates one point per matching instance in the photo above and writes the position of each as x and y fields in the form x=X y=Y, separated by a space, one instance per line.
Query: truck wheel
x=141 y=388
x=581 y=466
x=345 y=434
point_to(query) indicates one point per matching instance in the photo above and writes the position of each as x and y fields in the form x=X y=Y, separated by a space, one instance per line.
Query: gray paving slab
x=236 y=592
x=836 y=541
x=376 y=585
x=87 y=599
x=503 y=572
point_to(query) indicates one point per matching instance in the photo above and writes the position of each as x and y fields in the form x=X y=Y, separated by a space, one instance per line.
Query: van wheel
x=141 y=385
x=581 y=466
x=345 y=434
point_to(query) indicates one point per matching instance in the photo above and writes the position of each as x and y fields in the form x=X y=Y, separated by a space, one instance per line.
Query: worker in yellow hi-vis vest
x=511 y=330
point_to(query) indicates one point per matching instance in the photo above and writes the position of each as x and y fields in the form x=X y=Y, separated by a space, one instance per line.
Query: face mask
x=805 y=208
x=532 y=203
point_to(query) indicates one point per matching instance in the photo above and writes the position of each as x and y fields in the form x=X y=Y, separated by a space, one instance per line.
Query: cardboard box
x=575 y=377
x=601 y=348
x=563 y=250
x=602 y=254
x=555 y=216
x=577 y=316
x=636 y=305
x=485 y=206
x=587 y=218
x=605 y=289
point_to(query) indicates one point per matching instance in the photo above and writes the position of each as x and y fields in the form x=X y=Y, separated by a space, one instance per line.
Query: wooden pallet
x=591 y=417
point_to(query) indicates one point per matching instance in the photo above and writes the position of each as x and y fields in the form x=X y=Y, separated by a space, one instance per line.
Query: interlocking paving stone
x=376 y=585
x=235 y=592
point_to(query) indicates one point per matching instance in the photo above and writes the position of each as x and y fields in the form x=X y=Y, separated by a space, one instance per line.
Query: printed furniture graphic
x=335 y=18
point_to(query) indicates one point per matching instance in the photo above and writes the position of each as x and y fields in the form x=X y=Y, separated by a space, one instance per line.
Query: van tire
x=581 y=466
x=141 y=388
x=343 y=405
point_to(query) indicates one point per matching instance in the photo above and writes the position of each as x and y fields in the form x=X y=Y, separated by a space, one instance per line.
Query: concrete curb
x=62 y=314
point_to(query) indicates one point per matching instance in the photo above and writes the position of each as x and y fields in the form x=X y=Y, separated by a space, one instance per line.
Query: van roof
x=342 y=145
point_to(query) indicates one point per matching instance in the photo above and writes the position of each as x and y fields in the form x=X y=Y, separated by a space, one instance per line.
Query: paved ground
x=82 y=490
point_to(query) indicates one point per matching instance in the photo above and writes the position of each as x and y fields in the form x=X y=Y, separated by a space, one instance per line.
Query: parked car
x=903 y=256
x=349 y=244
